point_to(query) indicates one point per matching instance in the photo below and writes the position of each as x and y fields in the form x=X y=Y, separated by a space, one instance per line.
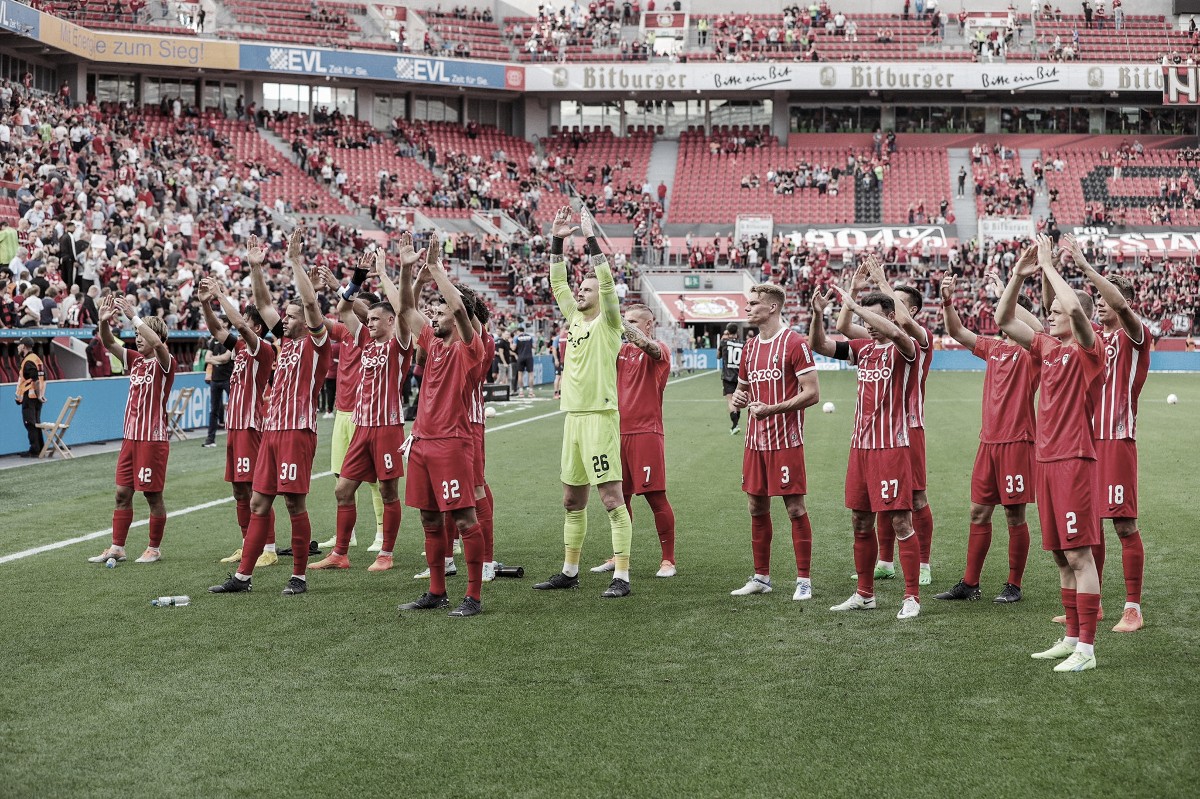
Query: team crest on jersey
x=1120 y=428
x=1066 y=357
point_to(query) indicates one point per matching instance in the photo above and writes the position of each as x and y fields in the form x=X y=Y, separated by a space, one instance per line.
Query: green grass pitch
x=680 y=690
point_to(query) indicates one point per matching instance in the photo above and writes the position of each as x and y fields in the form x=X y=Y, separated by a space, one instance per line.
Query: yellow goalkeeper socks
x=574 y=531
x=622 y=539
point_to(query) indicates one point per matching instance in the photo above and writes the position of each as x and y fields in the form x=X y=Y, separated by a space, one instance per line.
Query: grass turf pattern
x=679 y=690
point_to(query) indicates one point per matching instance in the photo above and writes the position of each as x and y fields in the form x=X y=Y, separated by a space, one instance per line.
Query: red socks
x=802 y=544
x=910 y=563
x=865 y=551
x=664 y=523
x=243 y=515
x=256 y=539
x=1072 y=612
x=922 y=522
x=978 y=544
x=1018 y=552
x=158 y=524
x=887 y=539
x=449 y=533
x=760 y=542
x=1098 y=555
x=435 y=557
x=391 y=524
x=301 y=535
x=347 y=515
x=271 y=531
x=1087 y=608
x=1133 y=559
x=473 y=553
x=483 y=512
x=121 y=521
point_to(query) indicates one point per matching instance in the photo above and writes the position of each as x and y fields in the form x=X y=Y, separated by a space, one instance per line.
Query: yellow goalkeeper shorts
x=591 y=450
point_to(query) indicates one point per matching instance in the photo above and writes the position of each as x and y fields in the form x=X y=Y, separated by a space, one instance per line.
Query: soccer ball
x=489 y=411
x=828 y=407
x=1172 y=399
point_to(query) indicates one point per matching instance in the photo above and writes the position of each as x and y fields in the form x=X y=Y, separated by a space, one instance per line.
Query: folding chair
x=56 y=430
x=175 y=414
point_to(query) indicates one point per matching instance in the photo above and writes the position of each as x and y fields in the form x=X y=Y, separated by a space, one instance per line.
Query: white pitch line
x=25 y=553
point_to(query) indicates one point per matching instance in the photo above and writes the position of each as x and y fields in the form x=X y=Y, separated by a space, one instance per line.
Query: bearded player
x=1126 y=341
x=777 y=380
x=375 y=453
x=643 y=365
x=1003 y=473
x=142 y=464
x=879 y=472
x=591 y=450
x=1071 y=362
x=253 y=362
x=289 y=439
x=441 y=461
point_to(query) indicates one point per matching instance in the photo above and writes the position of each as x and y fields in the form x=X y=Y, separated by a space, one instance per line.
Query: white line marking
x=25 y=553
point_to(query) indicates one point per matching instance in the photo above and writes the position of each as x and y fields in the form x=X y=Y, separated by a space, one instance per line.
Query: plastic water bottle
x=171 y=602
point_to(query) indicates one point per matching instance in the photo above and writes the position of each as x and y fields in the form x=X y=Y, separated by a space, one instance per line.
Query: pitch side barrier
x=959 y=361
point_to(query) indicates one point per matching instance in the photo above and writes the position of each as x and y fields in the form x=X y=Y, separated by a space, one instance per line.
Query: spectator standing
x=31 y=395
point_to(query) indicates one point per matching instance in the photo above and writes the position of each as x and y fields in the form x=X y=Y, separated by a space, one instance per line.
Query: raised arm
x=402 y=297
x=845 y=320
x=638 y=339
x=886 y=327
x=304 y=287
x=950 y=316
x=236 y=320
x=903 y=318
x=1006 y=310
x=610 y=304
x=561 y=229
x=205 y=293
x=256 y=255
x=450 y=293
x=1028 y=317
x=1068 y=302
x=1111 y=294
x=348 y=307
x=817 y=339
x=106 y=310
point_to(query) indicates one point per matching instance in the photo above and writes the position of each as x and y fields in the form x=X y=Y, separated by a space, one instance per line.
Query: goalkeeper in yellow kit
x=591 y=450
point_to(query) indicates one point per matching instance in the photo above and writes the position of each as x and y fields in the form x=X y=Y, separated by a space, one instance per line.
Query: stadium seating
x=293 y=21
x=464 y=37
x=1087 y=181
x=101 y=14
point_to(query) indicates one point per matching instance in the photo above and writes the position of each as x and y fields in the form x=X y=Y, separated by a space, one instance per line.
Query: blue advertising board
x=320 y=62
x=101 y=414
x=20 y=19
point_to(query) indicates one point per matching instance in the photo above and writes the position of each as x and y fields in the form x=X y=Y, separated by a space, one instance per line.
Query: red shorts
x=643 y=464
x=774 y=472
x=480 y=455
x=241 y=455
x=916 y=451
x=441 y=474
x=879 y=480
x=285 y=459
x=1116 y=478
x=1004 y=474
x=1066 y=493
x=142 y=465
x=374 y=454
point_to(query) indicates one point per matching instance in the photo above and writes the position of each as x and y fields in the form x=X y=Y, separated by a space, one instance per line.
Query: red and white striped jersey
x=480 y=377
x=916 y=386
x=349 y=367
x=149 y=387
x=1125 y=366
x=383 y=365
x=299 y=372
x=248 y=385
x=884 y=374
x=772 y=369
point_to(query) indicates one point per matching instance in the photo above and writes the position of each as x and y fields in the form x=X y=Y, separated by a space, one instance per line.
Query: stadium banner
x=754 y=225
x=1006 y=228
x=128 y=48
x=379 y=66
x=1181 y=84
x=705 y=306
x=901 y=77
x=1136 y=242
x=854 y=238
x=20 y=19
x=101 y=414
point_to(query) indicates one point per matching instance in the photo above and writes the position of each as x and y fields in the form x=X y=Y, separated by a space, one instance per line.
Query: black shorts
x=525 y=365
x=728 y=386
x=558 y=368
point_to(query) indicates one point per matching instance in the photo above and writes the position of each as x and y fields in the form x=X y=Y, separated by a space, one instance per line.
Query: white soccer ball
x=1172 y=399
x=828 y=407
x=489 y=411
